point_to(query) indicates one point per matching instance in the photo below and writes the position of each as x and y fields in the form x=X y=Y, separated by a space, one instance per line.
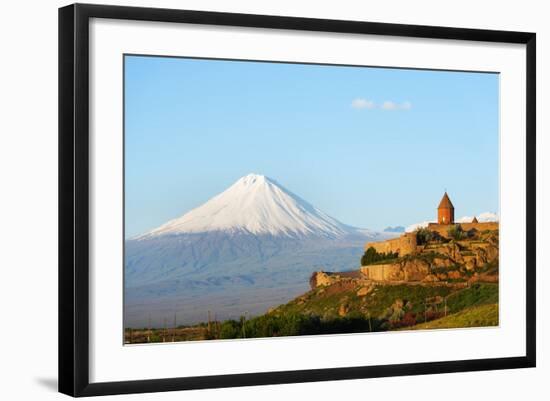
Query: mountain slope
x=249 y=248
x=258 y=205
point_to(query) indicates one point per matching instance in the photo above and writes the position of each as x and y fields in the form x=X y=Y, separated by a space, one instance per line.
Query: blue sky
x=371 y=147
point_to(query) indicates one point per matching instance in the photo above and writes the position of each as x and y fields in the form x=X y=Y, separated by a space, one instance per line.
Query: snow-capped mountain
x=257 y=205
x=250 y=247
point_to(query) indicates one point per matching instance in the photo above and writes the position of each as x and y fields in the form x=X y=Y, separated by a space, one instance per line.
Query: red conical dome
x=445 y=211
x=445 y=202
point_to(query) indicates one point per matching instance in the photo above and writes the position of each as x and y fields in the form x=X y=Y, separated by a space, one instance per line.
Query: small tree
x=423 y=236
x=456 y=232
x=230 y=329
x=371 y=256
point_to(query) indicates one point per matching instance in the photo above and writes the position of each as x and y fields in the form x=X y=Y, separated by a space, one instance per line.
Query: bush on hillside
x=456 y=233
x=425 y=236
x=371 y=256
x=231 y=329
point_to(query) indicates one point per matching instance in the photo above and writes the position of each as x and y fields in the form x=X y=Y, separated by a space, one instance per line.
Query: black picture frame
x=74 y=198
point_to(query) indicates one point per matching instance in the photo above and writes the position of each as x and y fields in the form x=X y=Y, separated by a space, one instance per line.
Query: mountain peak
x=253 y=178
x=259 y=205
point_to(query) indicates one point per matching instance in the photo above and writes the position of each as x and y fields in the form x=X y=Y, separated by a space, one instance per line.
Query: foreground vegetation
x=341 y=310
x=478 y=316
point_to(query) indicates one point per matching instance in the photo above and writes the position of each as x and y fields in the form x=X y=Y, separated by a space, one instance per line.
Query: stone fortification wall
x=404 y=245
x=405 y=271
x=443 y=229
x=480 y=226
x=381 y=272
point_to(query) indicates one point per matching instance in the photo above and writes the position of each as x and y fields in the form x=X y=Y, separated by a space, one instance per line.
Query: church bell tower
x=445 y=211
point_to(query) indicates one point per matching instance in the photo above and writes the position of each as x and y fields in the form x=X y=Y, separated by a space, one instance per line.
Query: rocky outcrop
x=415 y=269
x=450 y=250
x=343 y=310
x=326 y=279
x=364 y=291
x=437 y=261
x=322 y=279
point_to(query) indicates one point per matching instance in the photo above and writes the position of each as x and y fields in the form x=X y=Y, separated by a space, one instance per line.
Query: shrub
x=432 y=315
x=231 y=329
x=293 y=324
x=408 y=319
x=423 y=236
x=371 y=256
x=477 y=294
x=456 y=232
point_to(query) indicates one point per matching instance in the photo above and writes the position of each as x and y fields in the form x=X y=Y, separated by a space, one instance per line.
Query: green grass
x=320 y=302
x=325 y=304
x=477 y=294
x=489 y=268
x=477 y=316
x=384 y=296
x=317 y=312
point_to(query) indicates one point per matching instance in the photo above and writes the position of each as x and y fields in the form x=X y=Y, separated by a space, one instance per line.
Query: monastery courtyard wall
x=406 y=244
x=443 y=229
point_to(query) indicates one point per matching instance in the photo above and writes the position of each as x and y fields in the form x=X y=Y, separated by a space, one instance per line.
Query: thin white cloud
x=360 y=103
x=482 y=218
x=390 y=105
x=416 y=226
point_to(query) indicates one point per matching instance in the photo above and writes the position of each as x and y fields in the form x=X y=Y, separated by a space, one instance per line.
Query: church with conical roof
x=407 y=243
x=445 y=211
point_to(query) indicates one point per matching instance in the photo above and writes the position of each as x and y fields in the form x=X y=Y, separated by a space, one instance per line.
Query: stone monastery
x=406 y=244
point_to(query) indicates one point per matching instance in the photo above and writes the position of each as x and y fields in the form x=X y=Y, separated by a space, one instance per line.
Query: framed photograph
x=251 y=199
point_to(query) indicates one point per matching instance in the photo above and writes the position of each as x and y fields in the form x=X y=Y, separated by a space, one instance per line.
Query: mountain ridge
x=256 y=204
x=250 y=247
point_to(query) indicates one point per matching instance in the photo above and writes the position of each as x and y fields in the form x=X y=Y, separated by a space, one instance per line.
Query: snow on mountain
x=258 y=205
x=482 y=218
x=249 y=248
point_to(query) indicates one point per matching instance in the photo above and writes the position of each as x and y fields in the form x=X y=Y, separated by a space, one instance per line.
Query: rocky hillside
x=391 y=306
x=470 y=258
x=447 y=283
